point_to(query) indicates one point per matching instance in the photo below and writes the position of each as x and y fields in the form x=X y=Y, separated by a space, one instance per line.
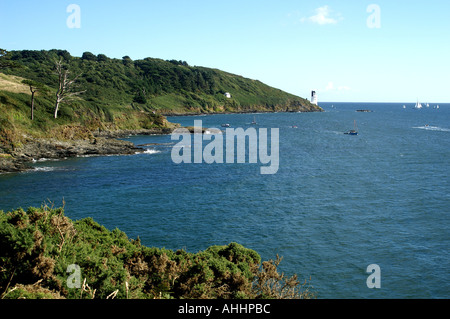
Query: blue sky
x=295 y=46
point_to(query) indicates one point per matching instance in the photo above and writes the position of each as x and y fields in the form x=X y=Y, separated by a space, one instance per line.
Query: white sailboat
x=418 y=105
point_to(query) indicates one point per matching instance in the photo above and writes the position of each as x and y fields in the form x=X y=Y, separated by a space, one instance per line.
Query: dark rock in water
x=35 y=149
x=10 y=164
x=54 y=149
x=97 y=143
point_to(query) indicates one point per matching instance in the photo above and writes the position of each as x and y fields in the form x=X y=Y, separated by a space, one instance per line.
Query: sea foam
x=151 y=151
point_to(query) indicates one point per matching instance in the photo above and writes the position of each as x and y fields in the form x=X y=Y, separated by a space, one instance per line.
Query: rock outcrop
x=35 y=149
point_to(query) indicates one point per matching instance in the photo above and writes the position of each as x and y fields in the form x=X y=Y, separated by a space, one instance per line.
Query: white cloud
x=322 y=17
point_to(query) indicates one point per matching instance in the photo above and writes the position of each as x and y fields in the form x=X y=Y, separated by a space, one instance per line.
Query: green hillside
x=155 y=85
x=119 y=94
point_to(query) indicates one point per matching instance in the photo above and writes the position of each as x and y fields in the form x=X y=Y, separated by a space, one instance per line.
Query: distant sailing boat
x=418 y=105
x=354 y=131
x=254 y=121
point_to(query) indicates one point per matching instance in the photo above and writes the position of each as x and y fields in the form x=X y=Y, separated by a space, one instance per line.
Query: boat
x=354 y=131
x=226 y=125
x=254 y=121
x=418 y=105
x=404 y=106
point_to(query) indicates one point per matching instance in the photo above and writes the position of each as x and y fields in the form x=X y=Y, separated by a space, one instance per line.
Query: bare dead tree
x=66 y=86
x=34 y=88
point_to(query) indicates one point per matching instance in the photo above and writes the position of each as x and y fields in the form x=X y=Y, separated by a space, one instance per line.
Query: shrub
x=38 y=245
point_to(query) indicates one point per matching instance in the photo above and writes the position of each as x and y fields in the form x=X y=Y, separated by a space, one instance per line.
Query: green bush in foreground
x=38 y=245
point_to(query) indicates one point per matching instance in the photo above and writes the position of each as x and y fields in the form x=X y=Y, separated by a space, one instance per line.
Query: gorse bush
x=38 y=245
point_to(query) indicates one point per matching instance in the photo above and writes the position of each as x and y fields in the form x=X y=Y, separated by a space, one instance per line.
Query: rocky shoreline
x=101 y=143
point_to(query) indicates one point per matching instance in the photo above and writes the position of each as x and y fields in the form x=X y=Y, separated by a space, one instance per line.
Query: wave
x=213 y=131
x=151 y=151
x=43 y=169
x=96 y=155
x=432 y=128
x=44 y=159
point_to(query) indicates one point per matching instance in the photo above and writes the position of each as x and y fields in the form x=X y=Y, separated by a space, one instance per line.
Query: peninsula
x=55 y=105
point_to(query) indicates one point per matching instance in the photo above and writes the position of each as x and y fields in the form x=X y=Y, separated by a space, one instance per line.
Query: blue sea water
x=337 y=204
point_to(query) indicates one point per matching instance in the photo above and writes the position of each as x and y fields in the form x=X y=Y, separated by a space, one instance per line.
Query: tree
x=102 y=58
x=66 y=86
x=64 y=54
x=4 y=63
x=34 y=87
x=126 y=60
x=140 y=97
x=89 y=56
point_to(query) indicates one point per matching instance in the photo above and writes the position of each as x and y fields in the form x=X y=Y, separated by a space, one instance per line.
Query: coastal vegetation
x=150 y=84
x=52 y=94
x=41 y=248
x=55 y=105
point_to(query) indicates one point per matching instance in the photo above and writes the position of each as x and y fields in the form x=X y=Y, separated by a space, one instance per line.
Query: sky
x=348 y=51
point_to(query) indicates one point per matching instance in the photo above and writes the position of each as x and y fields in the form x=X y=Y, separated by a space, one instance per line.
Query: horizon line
x=379 y=102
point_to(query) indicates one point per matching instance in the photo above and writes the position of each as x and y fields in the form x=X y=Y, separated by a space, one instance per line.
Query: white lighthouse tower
x=314 y=97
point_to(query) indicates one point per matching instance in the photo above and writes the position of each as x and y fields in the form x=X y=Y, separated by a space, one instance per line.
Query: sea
x=338 y=204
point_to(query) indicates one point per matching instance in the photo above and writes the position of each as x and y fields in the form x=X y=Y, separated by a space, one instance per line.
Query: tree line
x=149 y=85
x=103 y=79
x=65 y=84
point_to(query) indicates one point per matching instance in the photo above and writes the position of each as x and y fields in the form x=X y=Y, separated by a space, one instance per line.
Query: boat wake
x=432 y=128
